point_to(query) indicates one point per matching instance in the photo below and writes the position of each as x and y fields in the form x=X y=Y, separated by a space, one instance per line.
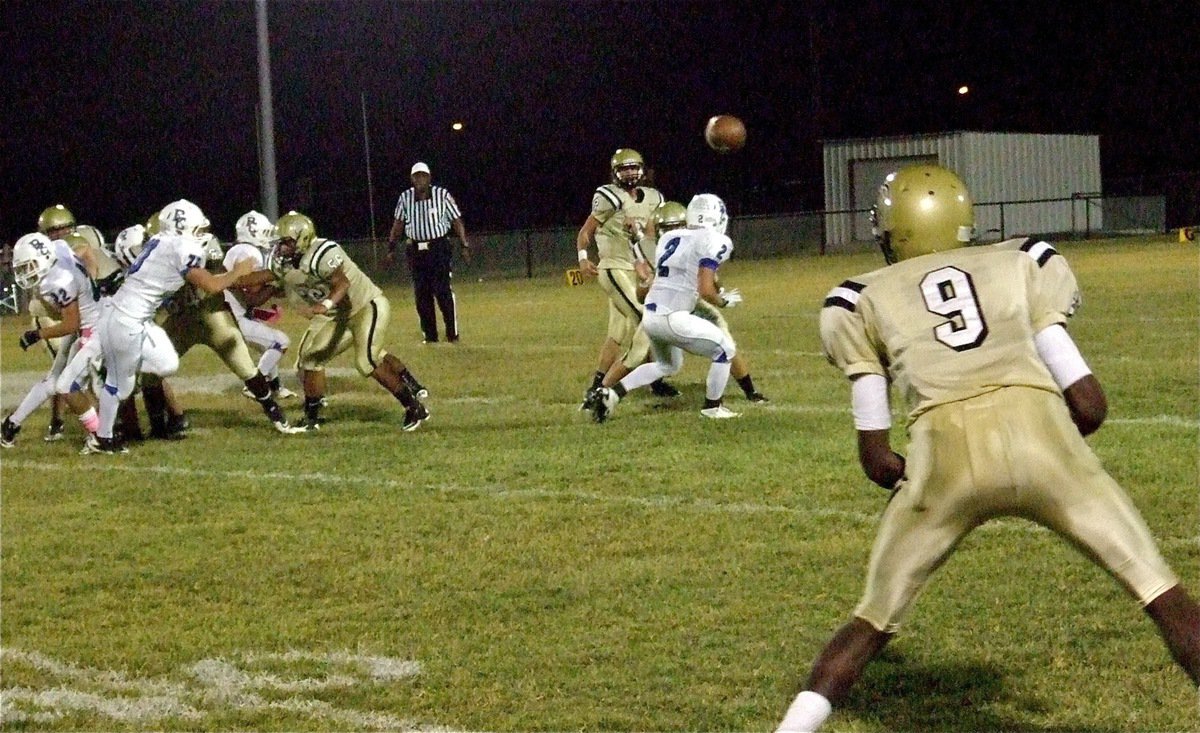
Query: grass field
x=512 y=566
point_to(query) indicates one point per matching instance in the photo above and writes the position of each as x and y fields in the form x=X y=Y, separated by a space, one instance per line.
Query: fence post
x=528 y=256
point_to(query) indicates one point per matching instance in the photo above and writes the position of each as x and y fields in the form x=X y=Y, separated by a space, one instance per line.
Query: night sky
x=115 y=108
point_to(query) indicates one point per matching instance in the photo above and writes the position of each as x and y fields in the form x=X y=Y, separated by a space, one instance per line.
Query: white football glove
x=732 y=297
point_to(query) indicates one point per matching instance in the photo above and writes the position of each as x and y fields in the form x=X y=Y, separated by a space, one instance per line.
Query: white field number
x=208 y=688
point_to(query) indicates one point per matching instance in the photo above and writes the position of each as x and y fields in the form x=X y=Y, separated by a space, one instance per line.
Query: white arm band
x=583 y=255
x=1061 y=355
x=869 y=396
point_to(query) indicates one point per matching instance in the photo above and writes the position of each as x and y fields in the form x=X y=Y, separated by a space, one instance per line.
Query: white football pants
x=673 y=333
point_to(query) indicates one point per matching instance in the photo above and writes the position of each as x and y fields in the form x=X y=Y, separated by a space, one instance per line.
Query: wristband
x=582 y=255
x=328 y=304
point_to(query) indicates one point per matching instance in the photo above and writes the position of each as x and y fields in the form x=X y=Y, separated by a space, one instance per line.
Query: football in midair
x=725 y=133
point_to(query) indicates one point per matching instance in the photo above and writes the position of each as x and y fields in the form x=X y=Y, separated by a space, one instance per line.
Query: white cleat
x=283 y=393
x=288 y=429
x=720 y=412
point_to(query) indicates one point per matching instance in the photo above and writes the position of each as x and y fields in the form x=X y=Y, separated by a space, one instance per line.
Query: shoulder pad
x=845 y=295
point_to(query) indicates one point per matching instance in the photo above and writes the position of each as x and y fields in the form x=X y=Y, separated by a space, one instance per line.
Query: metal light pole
x=268 y=187
x=370 y=182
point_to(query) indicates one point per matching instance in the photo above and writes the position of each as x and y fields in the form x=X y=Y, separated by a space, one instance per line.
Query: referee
x=424 y=216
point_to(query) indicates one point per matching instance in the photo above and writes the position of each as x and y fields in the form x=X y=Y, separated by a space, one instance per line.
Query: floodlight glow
x=457 y=126
x=964 y=89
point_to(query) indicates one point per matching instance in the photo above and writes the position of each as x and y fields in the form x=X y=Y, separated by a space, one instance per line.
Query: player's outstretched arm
x=211 y=283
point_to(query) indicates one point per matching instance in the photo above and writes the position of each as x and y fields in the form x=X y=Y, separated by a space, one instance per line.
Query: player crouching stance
x=347 y=310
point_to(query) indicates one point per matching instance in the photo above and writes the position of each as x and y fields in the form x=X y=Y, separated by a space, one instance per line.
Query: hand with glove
x=29 y=338
x=730 y=298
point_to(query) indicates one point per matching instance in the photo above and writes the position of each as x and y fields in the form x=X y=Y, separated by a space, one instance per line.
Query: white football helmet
x=255 y=228
x=212 y=247
x=33 y=256
x=129 y=245
x=707 y=211
x=183 y=217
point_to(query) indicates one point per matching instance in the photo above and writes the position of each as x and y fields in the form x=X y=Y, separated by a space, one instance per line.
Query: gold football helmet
x=55 y=218
x=669 y=215
x=294 y=235
x=628 y=167
x=922 y=209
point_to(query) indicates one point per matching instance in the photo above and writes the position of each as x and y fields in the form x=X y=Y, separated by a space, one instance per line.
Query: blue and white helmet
x=33 y=256
x=129 y=245
x=255 y=228
x=183 y=217
x=707 y=211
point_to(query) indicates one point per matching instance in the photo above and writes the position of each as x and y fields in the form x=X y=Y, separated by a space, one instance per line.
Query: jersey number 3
x=950 y=292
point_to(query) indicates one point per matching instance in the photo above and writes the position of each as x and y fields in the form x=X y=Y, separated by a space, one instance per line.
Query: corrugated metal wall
x=997 y=167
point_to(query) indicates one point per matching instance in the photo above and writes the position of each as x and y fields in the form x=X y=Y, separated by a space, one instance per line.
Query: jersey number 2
x=950 y=292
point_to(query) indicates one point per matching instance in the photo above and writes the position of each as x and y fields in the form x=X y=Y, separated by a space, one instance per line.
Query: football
x=725 y=133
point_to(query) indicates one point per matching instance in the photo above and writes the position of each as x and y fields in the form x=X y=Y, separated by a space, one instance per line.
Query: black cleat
x=414 y=416
x=102 y=446
x=55 y=431
x=600 y=402
x=660 y=388
x=757 y=397
x=8 y=433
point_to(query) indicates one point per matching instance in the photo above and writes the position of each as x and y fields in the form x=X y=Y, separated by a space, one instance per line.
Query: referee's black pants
x=431 y=272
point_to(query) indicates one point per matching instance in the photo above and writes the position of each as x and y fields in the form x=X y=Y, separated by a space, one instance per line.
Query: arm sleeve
x=1061 y=355
x=869 y=400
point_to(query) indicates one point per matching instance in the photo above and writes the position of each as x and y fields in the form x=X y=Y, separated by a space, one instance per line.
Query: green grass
x=657 y=572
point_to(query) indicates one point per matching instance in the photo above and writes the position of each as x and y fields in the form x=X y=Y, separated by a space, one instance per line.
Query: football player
x=61 y=282
x=196 y=316
x=130 y=339
x=347 y=310
x=672 y=215
x=999 y=401
x=56 y=222
x=685 y=270
x=255 y=234
x=619 y=209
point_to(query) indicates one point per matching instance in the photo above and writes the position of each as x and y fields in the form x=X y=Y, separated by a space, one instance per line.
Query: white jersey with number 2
x=677 y=261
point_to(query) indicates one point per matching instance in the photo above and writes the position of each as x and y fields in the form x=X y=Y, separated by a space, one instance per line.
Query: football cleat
x=283 y=427
x=8 y=433
x=720 y=412
x=283 y=393
x=757 y=397
x=660 y=388
x=54 y=431
x=102 y=446
x=601 y=401
x=414 y=416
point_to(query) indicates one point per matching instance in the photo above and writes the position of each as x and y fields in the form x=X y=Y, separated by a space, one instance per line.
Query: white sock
x=806 y=714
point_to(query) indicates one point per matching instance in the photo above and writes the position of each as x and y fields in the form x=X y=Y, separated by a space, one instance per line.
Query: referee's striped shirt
x=429 y=219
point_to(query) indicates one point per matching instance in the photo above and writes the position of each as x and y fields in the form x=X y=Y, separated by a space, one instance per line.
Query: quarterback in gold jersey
x=999 y=400
x=620 y=211
x=347 y=309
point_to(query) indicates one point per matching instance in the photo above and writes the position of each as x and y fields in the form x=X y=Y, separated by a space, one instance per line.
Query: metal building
x=1021 y=183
